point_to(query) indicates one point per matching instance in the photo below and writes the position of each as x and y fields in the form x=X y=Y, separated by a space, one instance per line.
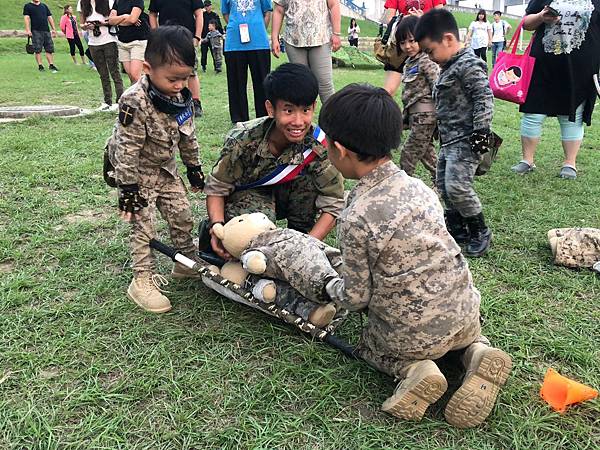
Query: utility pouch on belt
x=108 y=170
x=489 y=156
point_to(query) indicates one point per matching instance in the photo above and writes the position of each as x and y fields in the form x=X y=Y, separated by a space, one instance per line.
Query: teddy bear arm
x=254 y=262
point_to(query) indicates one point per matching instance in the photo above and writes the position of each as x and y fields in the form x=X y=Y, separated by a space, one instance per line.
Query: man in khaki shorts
x=133 y=32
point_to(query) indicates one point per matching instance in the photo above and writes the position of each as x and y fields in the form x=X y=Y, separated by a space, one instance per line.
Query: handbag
x=385 y=48
x=29 y=46
x=512 y=73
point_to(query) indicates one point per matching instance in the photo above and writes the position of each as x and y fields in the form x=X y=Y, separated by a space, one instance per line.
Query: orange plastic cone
x=561 y=392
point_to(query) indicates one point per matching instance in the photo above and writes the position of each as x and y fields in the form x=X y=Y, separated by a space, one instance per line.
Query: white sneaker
x=114 y=107
x=104 y=107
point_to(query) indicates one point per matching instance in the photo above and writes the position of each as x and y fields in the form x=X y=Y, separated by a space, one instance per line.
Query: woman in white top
x=103 y=47
x=480 y=35
x=353 y=31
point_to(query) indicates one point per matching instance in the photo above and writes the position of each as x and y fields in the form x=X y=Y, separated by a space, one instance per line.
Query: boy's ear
x=147 y=68
x=342 y=151
x=270 y=108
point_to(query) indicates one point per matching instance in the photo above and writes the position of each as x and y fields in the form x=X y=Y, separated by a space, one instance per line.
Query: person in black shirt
x=187 y=13
x=37 y=16
x=134 y=29
x=209 y=15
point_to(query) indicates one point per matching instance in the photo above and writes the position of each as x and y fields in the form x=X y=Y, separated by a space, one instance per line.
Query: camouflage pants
x=419 y=144
x=456 y=168
x=169 y=195
x=397 y=365
x=576 y=247
x=294 y=201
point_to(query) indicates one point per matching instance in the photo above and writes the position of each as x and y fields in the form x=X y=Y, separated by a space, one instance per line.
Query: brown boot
x=145 y=292
x=181 y=272
x=487 y=369
x=424 y=384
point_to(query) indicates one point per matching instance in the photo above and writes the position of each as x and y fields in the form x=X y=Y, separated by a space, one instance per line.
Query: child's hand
x=195 y=177
x=130 y=201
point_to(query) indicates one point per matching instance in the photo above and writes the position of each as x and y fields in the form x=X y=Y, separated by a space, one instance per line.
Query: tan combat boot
x=181 y=272
x=487 y=369
x=424 y=384
x=145 y=292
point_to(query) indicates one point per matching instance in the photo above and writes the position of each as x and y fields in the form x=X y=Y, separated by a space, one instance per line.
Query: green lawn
x=82 y=367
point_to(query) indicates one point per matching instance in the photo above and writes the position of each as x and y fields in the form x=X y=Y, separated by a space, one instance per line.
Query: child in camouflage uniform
x=248 y=178
x=400 y=264
x=156 y=119
x=464 y=105
x=215 y=40
x=420 y=75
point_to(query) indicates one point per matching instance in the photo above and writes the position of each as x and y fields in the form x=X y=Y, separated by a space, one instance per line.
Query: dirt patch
x=89 y=215
x=7 y=266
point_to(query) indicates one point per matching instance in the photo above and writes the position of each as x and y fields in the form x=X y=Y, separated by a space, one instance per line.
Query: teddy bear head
x=240 y=230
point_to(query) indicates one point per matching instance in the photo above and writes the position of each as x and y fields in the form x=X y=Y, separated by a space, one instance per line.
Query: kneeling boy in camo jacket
x=400 y=264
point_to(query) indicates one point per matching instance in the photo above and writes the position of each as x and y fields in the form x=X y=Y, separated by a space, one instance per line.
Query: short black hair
x=516 y=70
x=363 y=118
x=497 y=12
x=170 y=44
x=294 y=83
x=434 y=24
x=406 y=28
x=212 y=22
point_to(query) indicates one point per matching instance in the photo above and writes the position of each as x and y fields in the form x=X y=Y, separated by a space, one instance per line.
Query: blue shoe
x=568 y=172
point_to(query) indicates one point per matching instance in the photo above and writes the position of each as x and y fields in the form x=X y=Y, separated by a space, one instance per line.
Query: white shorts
x=132 y=51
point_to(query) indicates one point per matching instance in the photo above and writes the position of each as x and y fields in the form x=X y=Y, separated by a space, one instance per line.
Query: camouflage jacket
x=149 y=140
x=246 y=158
x=400 y=263
x=463 y=98
x=214 y=38
x=420 y=75
x=303 y=261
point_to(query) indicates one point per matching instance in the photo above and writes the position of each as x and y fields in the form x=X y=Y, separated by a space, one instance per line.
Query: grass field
x=82 y=368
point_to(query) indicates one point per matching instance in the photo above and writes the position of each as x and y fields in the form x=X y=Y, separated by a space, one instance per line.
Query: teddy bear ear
x=219 y=230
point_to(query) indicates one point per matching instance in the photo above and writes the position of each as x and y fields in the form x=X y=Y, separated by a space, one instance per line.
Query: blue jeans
x=496 y=47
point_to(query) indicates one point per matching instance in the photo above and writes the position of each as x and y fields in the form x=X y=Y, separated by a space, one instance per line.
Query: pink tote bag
x=512 y=73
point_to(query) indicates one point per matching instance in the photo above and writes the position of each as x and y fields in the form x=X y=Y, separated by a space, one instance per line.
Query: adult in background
x=567 y=55
x=68 y=25
x=500 y=29
x=353 y=32
x=37 y=16
x=246 y=47
x=134 y=29
x=312 y=31
x=209 y=15
x=479 y=35
x=394 y=8
x=103 y=48
x=187 y=13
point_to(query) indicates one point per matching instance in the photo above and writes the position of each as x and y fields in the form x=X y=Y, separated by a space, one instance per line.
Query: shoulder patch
x=126 y=114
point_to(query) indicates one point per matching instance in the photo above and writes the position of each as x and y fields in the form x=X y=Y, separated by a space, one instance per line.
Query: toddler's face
x=169 y=79
x=211 y=27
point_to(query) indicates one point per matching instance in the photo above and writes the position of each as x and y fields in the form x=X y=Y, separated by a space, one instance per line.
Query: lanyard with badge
x=243 y=6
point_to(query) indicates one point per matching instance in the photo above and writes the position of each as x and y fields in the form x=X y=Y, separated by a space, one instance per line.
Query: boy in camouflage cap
x=464 y=106
x=276 y=164
x=400 y=264
x=156 y=118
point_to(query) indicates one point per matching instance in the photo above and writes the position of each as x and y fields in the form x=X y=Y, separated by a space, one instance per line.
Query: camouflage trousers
x=456 y=168
x=398 y=364
x=169 y=196
x=576 y=247
x=419 y=144
x=294 y=201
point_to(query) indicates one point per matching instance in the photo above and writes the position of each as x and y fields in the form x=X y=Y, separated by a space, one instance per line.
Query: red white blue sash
x=285 y=173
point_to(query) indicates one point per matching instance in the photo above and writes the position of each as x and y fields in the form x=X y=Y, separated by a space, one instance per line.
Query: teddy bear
x=300 y=260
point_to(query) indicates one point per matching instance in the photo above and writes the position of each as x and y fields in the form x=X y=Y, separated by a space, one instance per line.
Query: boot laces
x=158 y=281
